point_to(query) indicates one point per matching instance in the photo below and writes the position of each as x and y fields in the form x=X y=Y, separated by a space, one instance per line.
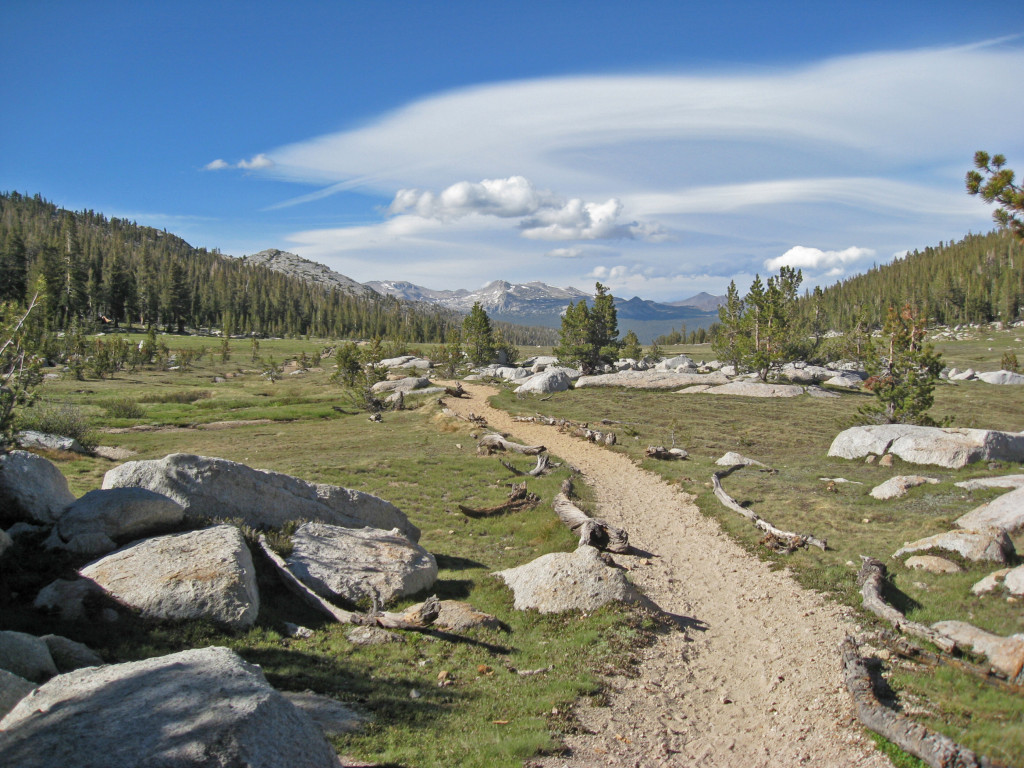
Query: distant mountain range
x=533 y=303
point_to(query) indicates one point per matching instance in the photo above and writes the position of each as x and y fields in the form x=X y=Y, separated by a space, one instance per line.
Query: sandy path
x=754 y=682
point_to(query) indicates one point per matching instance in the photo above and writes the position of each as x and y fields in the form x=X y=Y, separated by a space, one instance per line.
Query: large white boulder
x=677 y=363
x=1001 y=377
x=568 y=581
x=1002 y=481
x=987 y=544
x=408 y=384
x=756 y=389
x=205 y=574
x=1005 y=654
x=945 y=447
x=1006 y=512
x=32 y=488
x=354 y=564
x=30 y=438
x=546 y=382
x=226 y=490
x=203 y=708
x=117 y=514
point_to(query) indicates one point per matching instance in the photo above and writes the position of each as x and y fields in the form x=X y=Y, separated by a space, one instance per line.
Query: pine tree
x=631 y=349
x=574 y=338
x=477 y=336
x=604 y=327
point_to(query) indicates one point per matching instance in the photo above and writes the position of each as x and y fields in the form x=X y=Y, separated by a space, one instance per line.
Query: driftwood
x=418 y=619
x=495 y=442
x=591 y=530
x=543 y=464
x=933 y=748
x=871 y=580
x=519 y=499
x=666 y=454
x=775 y=538
x=456 y=391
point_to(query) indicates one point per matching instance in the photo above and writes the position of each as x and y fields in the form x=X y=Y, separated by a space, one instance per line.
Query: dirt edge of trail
x=755 y=680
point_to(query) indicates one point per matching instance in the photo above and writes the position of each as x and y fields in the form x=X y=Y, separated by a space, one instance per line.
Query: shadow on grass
x=898 y=599
x=456 y=563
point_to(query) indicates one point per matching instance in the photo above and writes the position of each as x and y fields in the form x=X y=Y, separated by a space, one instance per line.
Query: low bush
x=58 y=418
x=124 y=408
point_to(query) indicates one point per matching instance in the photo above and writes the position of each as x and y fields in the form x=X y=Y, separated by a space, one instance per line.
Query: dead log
x=543 y=464
x=775 y=538
x=593 y=531
x=456 y=391
x=519 y=499
x=418 y=619
x=871 y=580
x=665 y=454
x=933 y=748
x=907 y=650
x=495 y=442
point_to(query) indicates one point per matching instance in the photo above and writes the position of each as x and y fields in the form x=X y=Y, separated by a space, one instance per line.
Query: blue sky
x=663 y=148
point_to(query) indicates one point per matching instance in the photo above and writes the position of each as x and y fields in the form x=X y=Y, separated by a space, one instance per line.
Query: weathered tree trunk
x=543 y=463
x=933 y=748
x=456 y=391
x=775 y=538
x=495 y=442
x=591 y=530
x=871 y=579
x=419 y=619
x=518 y=499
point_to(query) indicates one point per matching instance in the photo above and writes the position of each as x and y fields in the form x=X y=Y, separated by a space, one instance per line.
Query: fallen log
x=775 y=538
x=543 y=464
x=933 y=748
x=665 y=454
x=495 y=442
x=577 y=429
x=907 y=650
x=871 y=580
x=592 y=531
x=519 y=499
x=456 y=391
x=423 y=617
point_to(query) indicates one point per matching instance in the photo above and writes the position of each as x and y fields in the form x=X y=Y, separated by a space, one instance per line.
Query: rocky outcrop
x=1010 y=578
x=13 y=688
x=408 y=384
x=552 y=380
x=756 y=389
x=945 y=447
x=652 y=379
x=201 y=708
x=205 y=574
x=1003 y=481
x=1005 y=512
x=354 y=564
x=26 y=656
x=568 y=581
x=226 y=490
x=898 y=486
x=1001 y=377
x=32 y=488
x=990 y=544
x=93 y=523
x=30 y=438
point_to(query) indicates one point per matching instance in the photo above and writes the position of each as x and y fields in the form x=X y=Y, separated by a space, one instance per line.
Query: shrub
x=123 y=408
x=61 y=419
x=1009 y=362
x=184 y=396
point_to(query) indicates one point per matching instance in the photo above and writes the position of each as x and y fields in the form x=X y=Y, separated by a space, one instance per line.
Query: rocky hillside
x=295 y=266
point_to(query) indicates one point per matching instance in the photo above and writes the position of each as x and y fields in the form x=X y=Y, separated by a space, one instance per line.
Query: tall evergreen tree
x=478 y=336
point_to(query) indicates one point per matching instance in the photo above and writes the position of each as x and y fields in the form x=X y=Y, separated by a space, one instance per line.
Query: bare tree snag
x=933 y=748
x=871 y=580
x=495 y=442
x=666 y=454
x=519 y=499
x=593 y=531
x=423 y=617
x=775 y=538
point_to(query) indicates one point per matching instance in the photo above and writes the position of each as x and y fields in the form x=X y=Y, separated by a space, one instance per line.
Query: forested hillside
x=978 y=279
x=114 y=272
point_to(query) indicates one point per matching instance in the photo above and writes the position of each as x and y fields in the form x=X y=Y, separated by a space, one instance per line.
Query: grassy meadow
x=485 y=714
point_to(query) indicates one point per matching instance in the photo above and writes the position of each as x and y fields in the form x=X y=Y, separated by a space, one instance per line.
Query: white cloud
x=259 y=162
x=831 y=263
x=565 y=253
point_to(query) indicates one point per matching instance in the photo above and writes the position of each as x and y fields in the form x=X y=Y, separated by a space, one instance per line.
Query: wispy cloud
x=687 y=174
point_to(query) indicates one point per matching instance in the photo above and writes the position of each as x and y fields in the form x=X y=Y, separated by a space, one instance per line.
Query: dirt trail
x=754 y=681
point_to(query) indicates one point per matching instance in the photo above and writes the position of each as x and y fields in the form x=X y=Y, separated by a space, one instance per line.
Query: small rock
x=26 y=656
x=898 y=486
x=885 y=461
x=990 y=582
x=367 y=635
x=68 y=654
